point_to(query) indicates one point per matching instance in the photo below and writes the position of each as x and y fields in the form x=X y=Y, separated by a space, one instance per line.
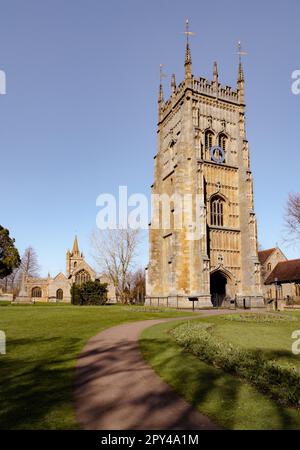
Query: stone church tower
x=203 y=153
x=74 y=258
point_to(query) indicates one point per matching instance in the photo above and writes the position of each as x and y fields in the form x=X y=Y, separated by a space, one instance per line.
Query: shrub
x=89 y=293
x=281 y=383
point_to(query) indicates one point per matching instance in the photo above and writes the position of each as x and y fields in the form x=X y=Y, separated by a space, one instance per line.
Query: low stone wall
x=250 y=302
x=6 y=297
x=180 y=302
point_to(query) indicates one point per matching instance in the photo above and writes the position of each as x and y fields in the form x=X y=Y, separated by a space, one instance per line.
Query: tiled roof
x=285 y=272
x=264 y=255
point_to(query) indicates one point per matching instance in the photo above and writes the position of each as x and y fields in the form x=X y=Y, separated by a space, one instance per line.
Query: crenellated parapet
x=200 y=86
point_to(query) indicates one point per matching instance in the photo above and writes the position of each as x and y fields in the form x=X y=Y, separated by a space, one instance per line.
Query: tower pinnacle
x=161 y=94
x=241 y=80
x=173 y=83
x=188 y=57
x=215 y=72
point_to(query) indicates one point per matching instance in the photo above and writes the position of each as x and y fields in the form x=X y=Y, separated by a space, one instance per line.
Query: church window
x=59 y=294
x=222 y=141
x=208 y=140
x=297 y=290
x=36 y=292
x=217 y=212
x=82 y=277
x=75 y=264
x=269 y=267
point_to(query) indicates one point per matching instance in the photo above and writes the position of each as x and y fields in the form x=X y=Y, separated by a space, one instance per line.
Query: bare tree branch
x=29 y=263
x=292 y=219
x=114 y=252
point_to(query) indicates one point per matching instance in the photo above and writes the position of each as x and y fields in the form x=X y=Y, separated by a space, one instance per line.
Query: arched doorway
x=59 y=294
x=218 y=282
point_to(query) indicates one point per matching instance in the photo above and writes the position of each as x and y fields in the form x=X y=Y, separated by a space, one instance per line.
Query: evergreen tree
x=9 y=255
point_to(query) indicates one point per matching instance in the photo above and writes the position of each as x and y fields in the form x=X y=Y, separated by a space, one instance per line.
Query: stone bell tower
x=203 y=154
x=74 y=258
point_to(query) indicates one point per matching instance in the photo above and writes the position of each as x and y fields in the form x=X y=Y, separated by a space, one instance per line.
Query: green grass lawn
x=43 y=342
x=273 y=339
x=229 y=401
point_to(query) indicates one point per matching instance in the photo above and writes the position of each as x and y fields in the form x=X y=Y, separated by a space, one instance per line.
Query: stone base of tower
x=203 y=302
x=250 y=302
x=179 y=301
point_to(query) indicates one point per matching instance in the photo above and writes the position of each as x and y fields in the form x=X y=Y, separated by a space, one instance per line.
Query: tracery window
x=217 y=212
x=36 y=292
x=82 y=277
x=222 y=141
x=208 y=140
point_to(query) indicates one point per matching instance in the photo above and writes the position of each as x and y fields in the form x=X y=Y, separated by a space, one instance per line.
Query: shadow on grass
x=32 y=387
x=116 y=389
x=214 y=392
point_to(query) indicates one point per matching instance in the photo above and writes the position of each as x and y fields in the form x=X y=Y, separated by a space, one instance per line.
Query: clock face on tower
x=217 y=154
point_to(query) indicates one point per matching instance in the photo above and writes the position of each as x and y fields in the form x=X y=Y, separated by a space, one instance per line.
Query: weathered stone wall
x=183 y=165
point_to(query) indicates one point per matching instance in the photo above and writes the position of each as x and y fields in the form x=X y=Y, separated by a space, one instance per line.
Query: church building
x=58 y=289
x=203 y=152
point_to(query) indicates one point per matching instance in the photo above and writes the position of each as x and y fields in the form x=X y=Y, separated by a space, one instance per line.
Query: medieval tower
x=74 y=258
x=203 y=153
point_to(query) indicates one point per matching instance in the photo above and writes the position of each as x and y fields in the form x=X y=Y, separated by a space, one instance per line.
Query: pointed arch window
x=36 y=292
x=222 y=141
x=82 y=277
x=217 y=211
x=208 y=140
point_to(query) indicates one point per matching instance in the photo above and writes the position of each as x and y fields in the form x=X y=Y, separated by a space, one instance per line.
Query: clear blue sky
x=80 y=113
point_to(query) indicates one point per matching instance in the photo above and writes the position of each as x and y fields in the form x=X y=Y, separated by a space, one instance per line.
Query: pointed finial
x=173 y=83
x=241 y=53
x=188 y=57
x=215 y=72
x=161 y=75
x=75 y=249
x=241 y=81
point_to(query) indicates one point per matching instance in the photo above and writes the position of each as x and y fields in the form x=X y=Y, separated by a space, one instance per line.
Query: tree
x=9 y=255
x=89 y=293
x=10 y=283
x=138 y=286
x=29 y=267
x=29 y=264
x=292 y=218
x=115 y=251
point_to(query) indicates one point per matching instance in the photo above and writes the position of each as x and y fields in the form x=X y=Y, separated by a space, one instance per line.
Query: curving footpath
x=115 y=389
